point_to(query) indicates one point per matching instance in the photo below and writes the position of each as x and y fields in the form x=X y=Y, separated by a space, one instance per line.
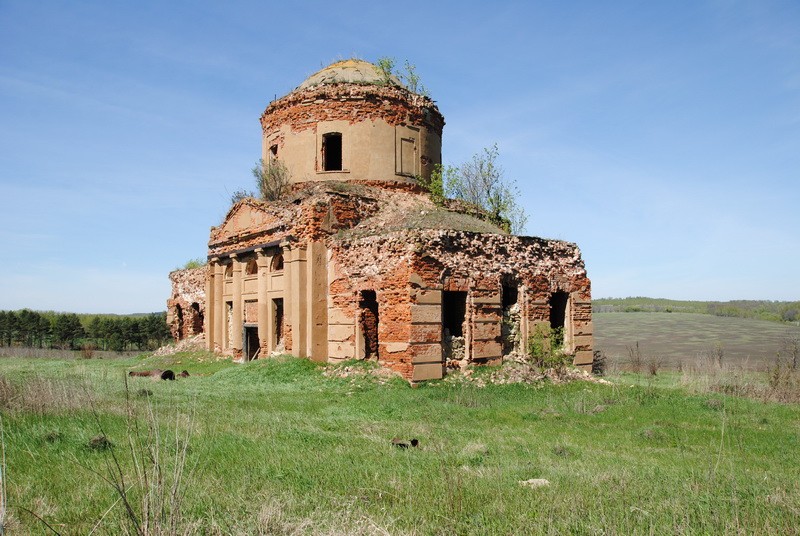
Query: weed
x=654 y=364
x=715 y=356
x=152 y=495
x=562 y=451
x=635 y=358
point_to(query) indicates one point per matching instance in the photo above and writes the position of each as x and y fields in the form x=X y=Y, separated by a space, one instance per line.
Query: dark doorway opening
x=510 y=329
x=277 y=317
x=454 y=311
x=197 y=319
x=368 y=305
x=510 y=296
x=558 y=316
x=332 y=151
x=251 y=344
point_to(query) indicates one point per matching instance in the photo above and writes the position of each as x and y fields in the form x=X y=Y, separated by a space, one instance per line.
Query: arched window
x=277 y=263
x=229 y=271
x=251 y=268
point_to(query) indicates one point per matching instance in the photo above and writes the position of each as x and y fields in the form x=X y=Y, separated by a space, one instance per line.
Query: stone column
x=236 y=329
x=264 y=332
x=220 y=318
x=295 y=274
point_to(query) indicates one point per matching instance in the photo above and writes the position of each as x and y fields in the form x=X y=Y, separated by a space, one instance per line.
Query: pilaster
x=219 y=319
x=236 y=328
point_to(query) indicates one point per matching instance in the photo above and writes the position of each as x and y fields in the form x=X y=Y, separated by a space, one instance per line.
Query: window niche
x=251 y=268
x=277 y=263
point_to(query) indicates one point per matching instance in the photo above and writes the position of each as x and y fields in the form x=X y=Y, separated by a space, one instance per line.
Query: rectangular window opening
x=332 y=151
x=368 y=320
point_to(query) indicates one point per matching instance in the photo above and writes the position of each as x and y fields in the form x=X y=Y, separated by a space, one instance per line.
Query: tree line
x=68 y=330
x=775 y=311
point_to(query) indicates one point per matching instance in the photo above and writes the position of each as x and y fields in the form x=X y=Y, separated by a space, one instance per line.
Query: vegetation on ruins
x=272 y=179
x=546 y=348
x=286 y=446
x=480 y=183
x=240 y=194
x=191 y=264
x=407 y=75
x=32 y=329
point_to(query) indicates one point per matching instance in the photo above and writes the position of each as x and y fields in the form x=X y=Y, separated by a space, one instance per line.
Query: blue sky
x=662 y=137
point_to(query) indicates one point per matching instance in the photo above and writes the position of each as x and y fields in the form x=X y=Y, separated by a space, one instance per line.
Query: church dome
x=350 y=71
x=350 y=122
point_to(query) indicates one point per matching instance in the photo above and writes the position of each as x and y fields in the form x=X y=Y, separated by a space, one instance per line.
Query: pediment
x=245 y=217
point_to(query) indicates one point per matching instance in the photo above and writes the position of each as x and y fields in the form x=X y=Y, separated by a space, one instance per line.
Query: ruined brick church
x=356 y=261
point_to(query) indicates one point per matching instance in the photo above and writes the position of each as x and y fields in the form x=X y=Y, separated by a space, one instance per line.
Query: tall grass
x=151 y=491
x=277 y=447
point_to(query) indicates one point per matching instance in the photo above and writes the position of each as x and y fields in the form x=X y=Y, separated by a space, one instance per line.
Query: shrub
x=191 y=264
x=87 y=350
x=545 y=348
x=599 y=363
x=272 y=179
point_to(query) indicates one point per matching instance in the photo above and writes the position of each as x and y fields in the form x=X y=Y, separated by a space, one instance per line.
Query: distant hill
x=775 y=311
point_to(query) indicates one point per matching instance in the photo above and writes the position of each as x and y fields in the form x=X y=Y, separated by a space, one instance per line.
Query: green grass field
x=686 y=338
x=276 y=447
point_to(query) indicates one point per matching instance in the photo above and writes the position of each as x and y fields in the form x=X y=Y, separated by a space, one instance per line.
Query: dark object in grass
x=184 y=374
x=401 y=444
x=145 y=373
x=100 y=442
x=52 y=436
x=157 y=373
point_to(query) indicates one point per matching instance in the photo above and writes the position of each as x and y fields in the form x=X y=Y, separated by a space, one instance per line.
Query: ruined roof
x=350 y=71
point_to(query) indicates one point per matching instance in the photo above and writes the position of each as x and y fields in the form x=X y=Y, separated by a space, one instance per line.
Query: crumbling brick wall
x=304 y=109
x=186 y=306
x=413 y=271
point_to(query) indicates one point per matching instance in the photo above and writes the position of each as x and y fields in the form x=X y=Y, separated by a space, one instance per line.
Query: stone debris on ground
x=534 y=483
x=513 y=372
x=195 y=343
x=382 y=374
